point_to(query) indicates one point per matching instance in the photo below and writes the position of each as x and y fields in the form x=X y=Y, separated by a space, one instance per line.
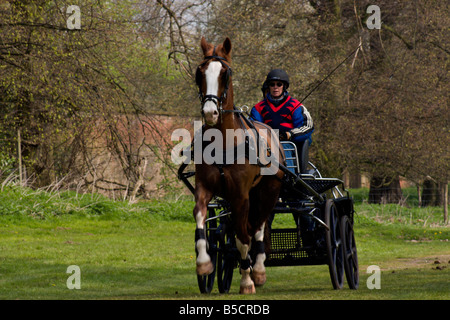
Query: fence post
x=446 y=203
x=19 y=147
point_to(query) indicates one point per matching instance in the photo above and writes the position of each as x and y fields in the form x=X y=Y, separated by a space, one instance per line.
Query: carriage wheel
x=206 y=283
x=350 y=254
x=334 y=245
x=226 y=260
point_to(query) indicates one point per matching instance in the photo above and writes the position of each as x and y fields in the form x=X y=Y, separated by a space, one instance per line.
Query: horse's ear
x=227 y=46
x=205 y=45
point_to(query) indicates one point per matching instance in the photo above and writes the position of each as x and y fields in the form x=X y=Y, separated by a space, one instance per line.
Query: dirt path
x=437 y=262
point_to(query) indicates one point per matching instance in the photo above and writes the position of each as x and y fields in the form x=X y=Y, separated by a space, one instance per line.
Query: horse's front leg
x=247 y=285
x=204 y=264
x=243 y=240
x=259 y=270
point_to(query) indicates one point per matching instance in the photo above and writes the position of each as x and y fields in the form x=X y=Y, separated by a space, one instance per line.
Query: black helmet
x=278 y=74
x=274 y=75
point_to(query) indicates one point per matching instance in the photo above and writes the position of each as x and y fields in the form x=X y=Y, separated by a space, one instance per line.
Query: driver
x=280 y=111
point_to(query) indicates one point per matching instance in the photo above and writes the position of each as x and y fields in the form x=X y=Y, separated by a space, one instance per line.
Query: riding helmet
x=274 y=75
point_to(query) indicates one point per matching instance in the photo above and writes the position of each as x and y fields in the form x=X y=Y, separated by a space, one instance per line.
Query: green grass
x=146 y=251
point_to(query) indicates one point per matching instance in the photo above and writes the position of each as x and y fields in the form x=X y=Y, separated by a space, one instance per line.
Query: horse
x=251 y=194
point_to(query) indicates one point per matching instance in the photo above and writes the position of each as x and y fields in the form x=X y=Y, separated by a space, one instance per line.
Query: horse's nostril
x=215 y=112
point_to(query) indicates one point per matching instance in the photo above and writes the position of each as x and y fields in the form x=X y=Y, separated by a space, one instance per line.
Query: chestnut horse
x=251 y=194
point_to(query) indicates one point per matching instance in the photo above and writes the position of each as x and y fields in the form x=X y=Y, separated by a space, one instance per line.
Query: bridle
x=218 y=101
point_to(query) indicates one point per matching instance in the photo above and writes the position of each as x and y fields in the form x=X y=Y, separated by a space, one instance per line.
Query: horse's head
x=213 y=78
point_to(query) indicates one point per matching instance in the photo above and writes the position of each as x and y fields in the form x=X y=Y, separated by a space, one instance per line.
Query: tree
x=63 y=87
x=387 y=105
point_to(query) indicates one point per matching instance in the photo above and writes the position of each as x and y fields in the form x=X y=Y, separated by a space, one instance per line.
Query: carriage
x=323 y=234
x=236 y=203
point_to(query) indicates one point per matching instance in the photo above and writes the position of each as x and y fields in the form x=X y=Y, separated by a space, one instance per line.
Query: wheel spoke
x=349 y=256
x=351 y=259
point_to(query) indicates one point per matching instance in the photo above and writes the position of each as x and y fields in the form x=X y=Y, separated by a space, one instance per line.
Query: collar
x=277 y=102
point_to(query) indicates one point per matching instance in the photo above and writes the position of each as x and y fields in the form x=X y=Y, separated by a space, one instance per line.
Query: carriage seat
x=296 y=156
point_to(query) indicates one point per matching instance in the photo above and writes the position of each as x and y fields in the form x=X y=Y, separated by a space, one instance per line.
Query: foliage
x=57 y=84
x=44 y=204
x=387 y=116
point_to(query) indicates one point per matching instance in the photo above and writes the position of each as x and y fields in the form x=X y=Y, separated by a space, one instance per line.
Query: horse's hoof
x=250 y=289
x=205 y=269
x=259 y=278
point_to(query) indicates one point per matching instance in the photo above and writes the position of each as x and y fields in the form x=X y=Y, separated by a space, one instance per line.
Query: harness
x=251 y=149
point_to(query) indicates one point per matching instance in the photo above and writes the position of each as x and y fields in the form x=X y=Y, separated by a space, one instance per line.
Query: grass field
x=146 y=251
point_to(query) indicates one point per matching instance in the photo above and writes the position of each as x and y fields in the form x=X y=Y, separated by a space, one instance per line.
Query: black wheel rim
x=334 y=246
x=350 y=254
x=226 y=262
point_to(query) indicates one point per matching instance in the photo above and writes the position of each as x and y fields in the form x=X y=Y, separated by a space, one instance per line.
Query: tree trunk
x=419 y=195
x=385 y=190
x=430 y=195
x=141 y=180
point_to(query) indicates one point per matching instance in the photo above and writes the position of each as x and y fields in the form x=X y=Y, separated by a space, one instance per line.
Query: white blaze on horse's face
x=210 y=111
